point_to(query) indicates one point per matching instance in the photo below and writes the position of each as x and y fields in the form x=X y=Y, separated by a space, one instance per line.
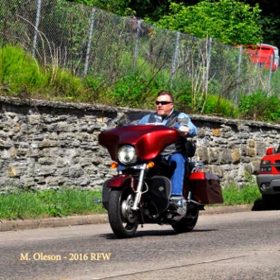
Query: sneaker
x=179 y=204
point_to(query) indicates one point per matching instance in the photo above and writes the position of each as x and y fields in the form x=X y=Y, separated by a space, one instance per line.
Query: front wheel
x=122 y=219
x=188 y=222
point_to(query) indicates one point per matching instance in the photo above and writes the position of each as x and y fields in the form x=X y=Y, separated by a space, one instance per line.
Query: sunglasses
x=163 y=102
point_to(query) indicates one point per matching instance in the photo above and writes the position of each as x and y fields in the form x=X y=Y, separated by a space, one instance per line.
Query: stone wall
x=51 y=144
x=232 y=149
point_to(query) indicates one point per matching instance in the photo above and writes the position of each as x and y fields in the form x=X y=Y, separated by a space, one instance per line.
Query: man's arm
x=144 y=119
x=185 y=125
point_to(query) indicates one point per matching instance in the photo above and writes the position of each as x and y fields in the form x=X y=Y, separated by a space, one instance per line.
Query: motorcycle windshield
x=149 y=140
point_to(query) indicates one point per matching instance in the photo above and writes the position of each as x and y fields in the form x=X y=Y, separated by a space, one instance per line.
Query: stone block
x=225 y=156
x=216 y=132
x=251 y=152
x=251 y=143
x=12 y=171
x=202 y=154
x=235 y=156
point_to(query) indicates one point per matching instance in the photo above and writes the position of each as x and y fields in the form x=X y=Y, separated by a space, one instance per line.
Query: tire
x=123 y=221
x=188 y=222
x=271 y=202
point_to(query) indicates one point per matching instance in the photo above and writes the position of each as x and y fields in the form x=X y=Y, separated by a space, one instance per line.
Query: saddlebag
x=205 y=187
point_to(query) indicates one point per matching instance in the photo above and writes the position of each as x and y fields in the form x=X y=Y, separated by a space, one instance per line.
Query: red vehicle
x=264 y=55
x=268 y=178
x=139 y=193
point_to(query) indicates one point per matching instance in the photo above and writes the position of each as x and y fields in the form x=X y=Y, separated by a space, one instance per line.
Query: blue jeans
x=177 y=179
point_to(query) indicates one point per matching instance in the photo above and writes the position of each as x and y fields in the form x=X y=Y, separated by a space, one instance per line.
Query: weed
x=247 y=194
x=49 y=203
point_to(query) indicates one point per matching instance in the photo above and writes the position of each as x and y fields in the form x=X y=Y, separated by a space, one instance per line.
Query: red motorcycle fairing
x=149 y=140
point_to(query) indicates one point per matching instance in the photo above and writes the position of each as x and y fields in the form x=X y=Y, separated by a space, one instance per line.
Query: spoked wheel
x=122 y=219
x=188 y=222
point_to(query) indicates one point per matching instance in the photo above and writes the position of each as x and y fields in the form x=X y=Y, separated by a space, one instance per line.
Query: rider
x=166 y=115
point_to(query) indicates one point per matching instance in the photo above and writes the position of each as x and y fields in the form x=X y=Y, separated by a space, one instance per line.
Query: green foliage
x=247 y=194
x=259 y=106
x=182 y=96
x=62 y=82
x=96 y=90
x=19 y=71
x=128 y=91
x=139 y=84
x=20 y=75
x=152 y=11
x=49 y=203
x=217 y=105
x=230 y=21
x=119 y=7
x=140 y=8
x=271 y=26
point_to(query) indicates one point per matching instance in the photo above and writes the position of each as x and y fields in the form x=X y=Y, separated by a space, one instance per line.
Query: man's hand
x=184 y=130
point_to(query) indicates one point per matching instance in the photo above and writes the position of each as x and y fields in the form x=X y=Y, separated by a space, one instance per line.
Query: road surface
x=244 y=245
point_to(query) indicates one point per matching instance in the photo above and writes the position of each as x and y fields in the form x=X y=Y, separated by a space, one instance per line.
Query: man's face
x=164 y=105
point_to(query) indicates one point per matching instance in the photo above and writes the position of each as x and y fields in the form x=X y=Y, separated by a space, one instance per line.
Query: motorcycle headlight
x=127 y=154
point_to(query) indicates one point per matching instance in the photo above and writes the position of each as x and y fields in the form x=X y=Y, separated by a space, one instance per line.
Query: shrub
x=247 y=194
x=63 y=83
x=19 y=71
x=217 y=105
x=258 y=106
x=128 y=91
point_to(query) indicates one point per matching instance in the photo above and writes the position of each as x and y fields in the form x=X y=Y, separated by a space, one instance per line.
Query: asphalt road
x=243 y=245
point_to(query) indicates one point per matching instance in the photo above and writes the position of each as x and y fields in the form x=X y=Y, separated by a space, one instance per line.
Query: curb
x=52 y=222
x=209 y=210
x=15 y=225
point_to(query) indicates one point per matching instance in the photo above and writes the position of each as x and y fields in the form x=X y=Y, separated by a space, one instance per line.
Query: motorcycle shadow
x=267 y=203
x=150 y=233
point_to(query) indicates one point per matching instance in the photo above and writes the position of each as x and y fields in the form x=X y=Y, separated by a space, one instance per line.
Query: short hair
x=165 y=92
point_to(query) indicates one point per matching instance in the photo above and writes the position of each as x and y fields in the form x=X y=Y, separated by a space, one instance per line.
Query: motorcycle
x=140 y=191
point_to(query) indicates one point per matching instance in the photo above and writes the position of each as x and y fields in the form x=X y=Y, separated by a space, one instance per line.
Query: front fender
x=116 y=182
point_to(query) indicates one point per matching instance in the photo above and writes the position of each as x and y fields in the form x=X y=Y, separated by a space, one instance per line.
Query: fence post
x=136 y=47
x=239 y=62
x=37 y=22
x=175 y=56
x=208 y=61
x=236 y=98
x=270 y=74
x=91 y=25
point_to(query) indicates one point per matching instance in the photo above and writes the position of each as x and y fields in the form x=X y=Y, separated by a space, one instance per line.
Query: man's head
x=164 y=103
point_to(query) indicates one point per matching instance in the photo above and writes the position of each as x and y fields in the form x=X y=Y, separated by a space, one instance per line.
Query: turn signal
x=114 y=165
x=150 y=164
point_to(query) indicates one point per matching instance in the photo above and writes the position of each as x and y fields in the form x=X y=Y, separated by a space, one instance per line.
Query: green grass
x=67 y=202
x=49 y=203
x=246 y=194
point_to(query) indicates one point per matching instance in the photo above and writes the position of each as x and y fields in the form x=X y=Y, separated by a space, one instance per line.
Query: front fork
x=139 y=188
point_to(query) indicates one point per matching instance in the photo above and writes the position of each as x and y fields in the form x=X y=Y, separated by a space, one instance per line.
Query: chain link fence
x=92 y=42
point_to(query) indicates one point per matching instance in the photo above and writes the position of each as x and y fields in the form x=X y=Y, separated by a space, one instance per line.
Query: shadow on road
x=267 y=203
x=145 y=233
x=163 y=232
